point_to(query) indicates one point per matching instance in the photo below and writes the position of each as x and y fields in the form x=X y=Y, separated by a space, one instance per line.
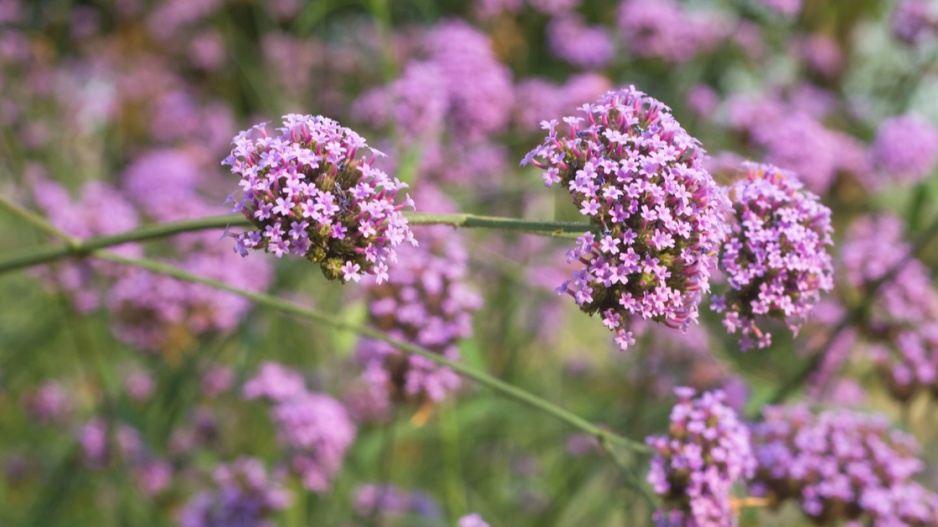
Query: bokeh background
x=123 y=392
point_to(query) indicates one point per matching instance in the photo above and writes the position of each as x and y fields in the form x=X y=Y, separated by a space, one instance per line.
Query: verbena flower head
x=695 y=466
x=245 y=497
x=314 y=428
x=472 y=520
x=914 y=20
x=390 y=501
x=905 y=149
x=658 y=214
x=901 y=322
x=840 y=466
x=775 y=260
x=427 y=302
x=308 y=194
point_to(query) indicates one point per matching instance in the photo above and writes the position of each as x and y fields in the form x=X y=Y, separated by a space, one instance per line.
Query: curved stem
x=482 y=378
x=41 y=255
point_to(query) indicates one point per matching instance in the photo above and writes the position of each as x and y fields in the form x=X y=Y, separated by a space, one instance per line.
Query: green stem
x=630 y=474
x=334 y=321
x=42 y=255
x=34 y=219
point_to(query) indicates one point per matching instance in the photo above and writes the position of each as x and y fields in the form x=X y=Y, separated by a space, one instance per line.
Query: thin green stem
x=480 y=377
x=34 y=219
x=42 y=255
x=630 y=474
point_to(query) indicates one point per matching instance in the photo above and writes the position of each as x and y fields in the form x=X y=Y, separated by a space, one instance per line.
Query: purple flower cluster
x=661 y=29
x=705 y=453
x=50 y=403
x=308 y=195
x=245 y=497
x=901 y=325
x=638 y=177
x=313 y=427
x=791 y=135
x=472 y=520
x=478 y=86
x=905 y=149
x=100 y=210
x=415 y=103
x=389 y=500
x=841 y=466
x=570 y=39
x=538 y=99
x=914 y=20
x=785 y=7
x=427 y=302
x=157 y=313
x=775 y=260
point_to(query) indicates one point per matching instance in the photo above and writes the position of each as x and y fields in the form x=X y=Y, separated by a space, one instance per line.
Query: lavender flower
x=388 y=500
x=428 y=303
x=784 y=7
x=901 y=321
x=308 y=195
x=314 y=428
x=51 y=403
x=661 y=29
x=705 y=453
x=914 y=20
x=156 y=313
x=774 y=261
x=637 y=175
x=840 y=465
x=100 y=210
x=472 y=520
x=478 y=86
x=245 y=497
x=905 y=149
x=585 y=46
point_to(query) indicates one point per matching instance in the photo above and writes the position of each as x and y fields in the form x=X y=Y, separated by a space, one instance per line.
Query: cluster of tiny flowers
x=100 y=210
x=662 y=29
x=427 y=302
x=388 y=500
x=245 y=497
x=841 y=466
x=478 y=86
x=308 y=195
x=790 y=133
x=785 y=7
x=157 y=313
x=774 y=261
x=695 y=466
x=658 y=214
x=50 y=403
x=585 y=46
x=914 y=20
x=472 y=520
x=901 y=325
x=313 y=427
x=905 y=149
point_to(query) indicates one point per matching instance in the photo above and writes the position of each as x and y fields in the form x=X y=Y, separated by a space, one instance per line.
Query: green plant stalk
x=630 y=474
x=33 y=219
x=454 y=491
x=42 y=255
x=482 y=378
